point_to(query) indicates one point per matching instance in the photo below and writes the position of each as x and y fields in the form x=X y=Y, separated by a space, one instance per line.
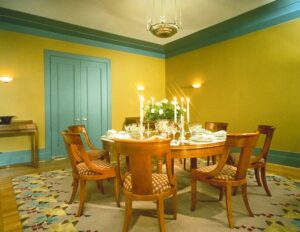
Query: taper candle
x=175 y=110
x=187 y=110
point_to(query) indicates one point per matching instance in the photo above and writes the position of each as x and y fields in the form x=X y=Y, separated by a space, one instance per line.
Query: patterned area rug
x=42 y=198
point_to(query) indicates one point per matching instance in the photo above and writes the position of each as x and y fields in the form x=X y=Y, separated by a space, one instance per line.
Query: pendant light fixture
x=164 y=17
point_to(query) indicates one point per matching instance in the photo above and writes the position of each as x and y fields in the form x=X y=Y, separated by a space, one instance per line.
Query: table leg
x=193 y=163
x=34 y=150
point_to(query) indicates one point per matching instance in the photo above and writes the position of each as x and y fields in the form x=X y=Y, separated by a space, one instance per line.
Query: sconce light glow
x=140 y=88
x=5 y=79
x=196 y=85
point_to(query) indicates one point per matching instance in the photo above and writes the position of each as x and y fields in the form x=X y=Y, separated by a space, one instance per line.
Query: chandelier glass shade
x=164 y=17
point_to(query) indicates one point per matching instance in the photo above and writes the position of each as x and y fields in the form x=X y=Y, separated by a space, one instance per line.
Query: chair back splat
x=141 y=181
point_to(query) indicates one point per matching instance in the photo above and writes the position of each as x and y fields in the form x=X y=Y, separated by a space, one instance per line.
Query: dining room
x=225 y=76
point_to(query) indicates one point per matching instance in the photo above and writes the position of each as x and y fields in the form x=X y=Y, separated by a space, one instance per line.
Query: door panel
x=65 y=83
x=77 y=88
x=92 y=76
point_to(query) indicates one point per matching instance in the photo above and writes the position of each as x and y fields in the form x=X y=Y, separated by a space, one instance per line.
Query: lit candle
x=141 y=109
x=152 y=99
x=175 y=110
x=187 y=110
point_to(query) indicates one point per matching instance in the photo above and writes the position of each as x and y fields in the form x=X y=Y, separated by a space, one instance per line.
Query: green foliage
x=161 y=110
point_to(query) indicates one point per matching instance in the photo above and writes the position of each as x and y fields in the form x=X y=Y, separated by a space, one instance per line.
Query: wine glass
x=173 y=130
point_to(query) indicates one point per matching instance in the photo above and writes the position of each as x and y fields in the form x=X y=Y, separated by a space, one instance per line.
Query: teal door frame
x=48 y=54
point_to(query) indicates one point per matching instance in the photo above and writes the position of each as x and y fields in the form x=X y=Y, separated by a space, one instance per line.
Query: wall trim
x=20 y=157
x=280 y=161
x=265 y=16
x=40 y=26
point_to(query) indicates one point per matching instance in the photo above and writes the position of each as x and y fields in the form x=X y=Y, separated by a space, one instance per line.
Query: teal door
x=79 y=94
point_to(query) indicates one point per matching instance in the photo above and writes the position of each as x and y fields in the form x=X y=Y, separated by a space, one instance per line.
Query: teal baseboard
x=19 y=157
x=277 y=157
x=284 y=158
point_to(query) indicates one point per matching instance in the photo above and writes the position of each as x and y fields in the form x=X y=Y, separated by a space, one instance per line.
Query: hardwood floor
x=9 y=220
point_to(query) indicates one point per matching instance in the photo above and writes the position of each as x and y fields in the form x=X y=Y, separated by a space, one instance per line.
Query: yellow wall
x=22 y=57
x=249 y=80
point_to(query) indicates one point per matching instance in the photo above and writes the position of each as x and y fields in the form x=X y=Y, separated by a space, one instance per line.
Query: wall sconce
x=5 y=79
x=196 y=85
x=140 y=88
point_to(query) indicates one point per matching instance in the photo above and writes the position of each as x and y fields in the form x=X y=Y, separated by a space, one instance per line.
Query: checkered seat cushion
x=227 y=173
x=160 y=183
x=84 y=170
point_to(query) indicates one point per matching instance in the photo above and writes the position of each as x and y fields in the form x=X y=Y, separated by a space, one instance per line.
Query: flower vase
x=162 y=126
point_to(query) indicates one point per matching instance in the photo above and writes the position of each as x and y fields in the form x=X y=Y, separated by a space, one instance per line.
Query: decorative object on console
x=5 y=120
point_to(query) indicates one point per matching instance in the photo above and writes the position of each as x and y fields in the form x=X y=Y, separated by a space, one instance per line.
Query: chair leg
x=117 y=191
x=184 y=163
x=160 y=214
x=221 y=193
x=245 y=199
x=194 y=194
x=214 y=159
x=174 y=205
x=257 y=177
x=264 y=181
x=74 y=190
x=235 y=190
x=228 y=205
x=100 y=186
x=128 y=213
x=82 y=197
x=208 y=160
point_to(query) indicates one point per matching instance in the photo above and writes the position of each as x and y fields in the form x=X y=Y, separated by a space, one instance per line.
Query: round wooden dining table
x=185 y=150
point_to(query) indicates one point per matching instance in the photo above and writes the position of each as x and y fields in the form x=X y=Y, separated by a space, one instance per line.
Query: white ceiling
x=128 y=17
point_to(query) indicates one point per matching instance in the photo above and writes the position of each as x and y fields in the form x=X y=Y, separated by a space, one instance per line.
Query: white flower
x=184 y=110
x=165 y=101
x=160 y=111
x=152 y=110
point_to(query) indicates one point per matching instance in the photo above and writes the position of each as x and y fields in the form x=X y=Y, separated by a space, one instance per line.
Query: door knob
x=84 y=119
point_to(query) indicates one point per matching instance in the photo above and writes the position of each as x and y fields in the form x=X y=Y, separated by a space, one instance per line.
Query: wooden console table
x=20 y=128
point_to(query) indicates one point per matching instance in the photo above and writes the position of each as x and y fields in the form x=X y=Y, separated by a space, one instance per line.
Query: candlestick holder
x=182 y=132
x=142 y=129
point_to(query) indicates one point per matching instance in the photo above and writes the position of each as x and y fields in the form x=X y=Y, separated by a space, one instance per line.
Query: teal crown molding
x=268 y=15
x=32 y=24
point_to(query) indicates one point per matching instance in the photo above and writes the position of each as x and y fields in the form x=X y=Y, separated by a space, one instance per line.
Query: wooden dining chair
x=139 y=181
x=131 y=120
x=94 y=153
x=213 y=127
x=136 y=120
x=259 y=162
x=227 y=176
x=84 y=168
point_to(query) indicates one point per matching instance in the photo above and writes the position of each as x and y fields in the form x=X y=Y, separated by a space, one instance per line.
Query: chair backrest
x=246 y=142
x=140 y=155
x=73 y=142
x=82 y=130
x=216 y=126
x=268 y=131
x=78 y=154
x=131 y=120
x=136 y=120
